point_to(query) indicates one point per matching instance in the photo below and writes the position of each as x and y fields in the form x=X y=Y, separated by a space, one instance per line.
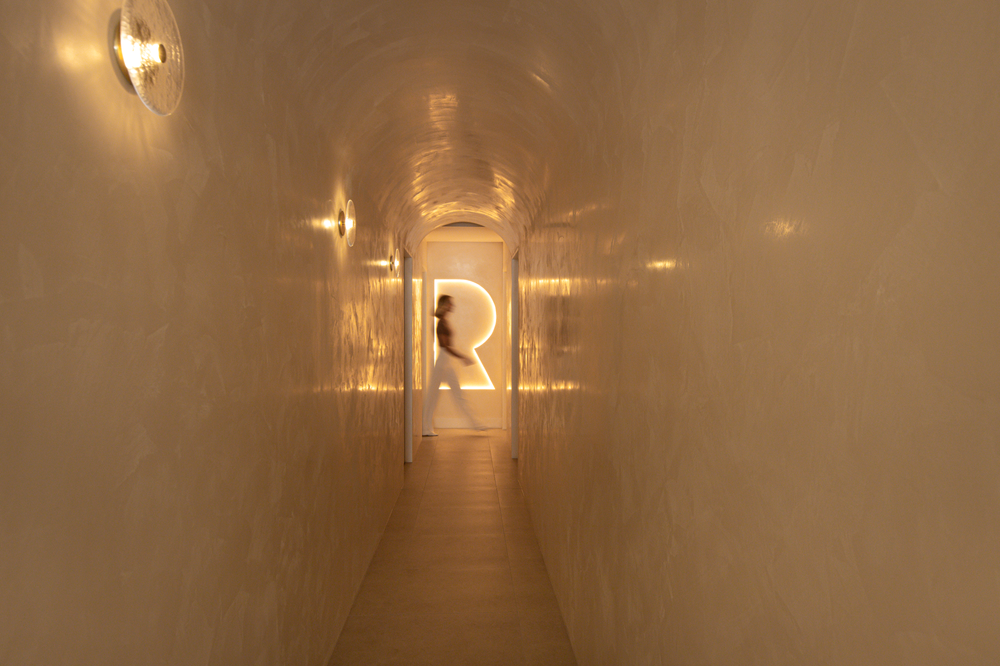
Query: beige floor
x=458 y=577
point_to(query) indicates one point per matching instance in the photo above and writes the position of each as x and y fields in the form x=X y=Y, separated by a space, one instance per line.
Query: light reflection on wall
x=346 y=388
x=784 y=227
x=572 y=214
x=78 y=56
x=566 y=286
x=94 y=91
x=554 y=286
x=554 y=386
x=371 y=388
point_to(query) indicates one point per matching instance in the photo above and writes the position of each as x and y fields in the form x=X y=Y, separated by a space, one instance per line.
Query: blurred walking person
x=444 y=371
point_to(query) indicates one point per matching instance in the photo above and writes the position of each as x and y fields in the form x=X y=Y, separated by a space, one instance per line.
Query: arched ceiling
x=455 y=111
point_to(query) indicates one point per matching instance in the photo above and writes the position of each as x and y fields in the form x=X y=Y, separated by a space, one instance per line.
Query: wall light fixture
x=394 y=263
x=148 y=49
x=346 y=223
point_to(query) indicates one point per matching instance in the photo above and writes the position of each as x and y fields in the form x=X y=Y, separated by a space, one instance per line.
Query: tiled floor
x=458 y=577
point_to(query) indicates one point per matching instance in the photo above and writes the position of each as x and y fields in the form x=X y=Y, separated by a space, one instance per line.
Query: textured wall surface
x=760 y=395
x=760 y=309
x=200 y=386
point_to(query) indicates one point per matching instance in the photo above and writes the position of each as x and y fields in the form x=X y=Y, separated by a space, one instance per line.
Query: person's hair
x=442 y=301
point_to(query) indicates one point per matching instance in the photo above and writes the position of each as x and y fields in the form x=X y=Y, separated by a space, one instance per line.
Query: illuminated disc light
x=395 y=263
x=150 y=49
x=466 y=292
x=350 y=224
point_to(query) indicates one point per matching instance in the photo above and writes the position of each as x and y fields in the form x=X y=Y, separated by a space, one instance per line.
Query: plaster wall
x=759 y=313
x=200 y=385
x=760 y=401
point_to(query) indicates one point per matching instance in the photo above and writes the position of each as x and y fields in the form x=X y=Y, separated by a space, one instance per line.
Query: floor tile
x=522 y=545
x=545 y=640
x=448 y=638
x=426 y=550
x=532 y=588
x=517 y=518
x=468 y=497
x=507 y=480
x=413 y=592
x=459 y=520
x=403 y=518
x=510 y=497
x=458 y=577
x=559 y=653
x=409 y=496
x=484 y=480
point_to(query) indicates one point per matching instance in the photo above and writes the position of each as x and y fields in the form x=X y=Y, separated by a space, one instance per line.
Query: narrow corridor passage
x=458 y=577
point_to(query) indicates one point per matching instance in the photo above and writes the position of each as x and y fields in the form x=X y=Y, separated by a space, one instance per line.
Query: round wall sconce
x=394 y=263
x=148 y=49
x=346 y=224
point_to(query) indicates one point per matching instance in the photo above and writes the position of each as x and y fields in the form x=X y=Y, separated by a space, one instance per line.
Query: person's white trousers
x=444 y=373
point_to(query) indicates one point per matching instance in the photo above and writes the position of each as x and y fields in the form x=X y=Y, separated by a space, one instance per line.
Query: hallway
x=748 y=317
x=458 y=577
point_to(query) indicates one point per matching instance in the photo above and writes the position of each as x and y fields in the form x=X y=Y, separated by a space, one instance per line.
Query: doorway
x=471 y=264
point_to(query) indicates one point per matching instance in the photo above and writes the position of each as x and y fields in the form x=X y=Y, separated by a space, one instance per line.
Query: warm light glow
x=541 y=81
x=567 y=286
x=784 y=227
x=328 y=224
x=141 y=57
x=572 y=214
x=468 y=295
x=79 y=56
x=442 y=102
x=368 y=388
x=554 y=386
x=554 y=286
x=664 y=265
x=85 y=58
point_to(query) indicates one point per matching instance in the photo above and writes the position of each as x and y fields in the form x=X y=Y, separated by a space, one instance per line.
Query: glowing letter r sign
x=473 y=321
